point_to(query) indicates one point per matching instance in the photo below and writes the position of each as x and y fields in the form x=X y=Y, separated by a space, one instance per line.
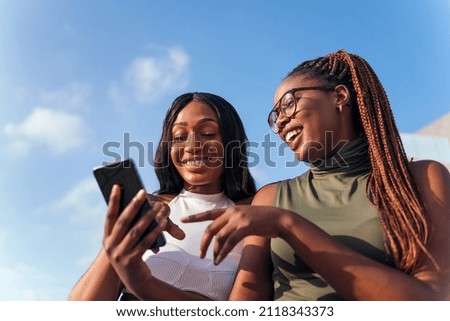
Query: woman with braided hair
x=363 y=223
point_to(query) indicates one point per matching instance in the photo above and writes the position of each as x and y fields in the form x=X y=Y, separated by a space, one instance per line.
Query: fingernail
x=186 y=218
x=141 y=194
x=218 y=259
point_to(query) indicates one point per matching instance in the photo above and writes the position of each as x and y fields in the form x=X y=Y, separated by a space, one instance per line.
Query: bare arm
x=124 y=244
x=254 y=277
x=99 y=282
x=364 y=279
x=352 y=275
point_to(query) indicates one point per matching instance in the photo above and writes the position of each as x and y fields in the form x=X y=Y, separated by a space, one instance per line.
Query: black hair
x=238 y=182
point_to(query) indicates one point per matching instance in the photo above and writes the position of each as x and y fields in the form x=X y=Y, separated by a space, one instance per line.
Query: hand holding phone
x=124 y=174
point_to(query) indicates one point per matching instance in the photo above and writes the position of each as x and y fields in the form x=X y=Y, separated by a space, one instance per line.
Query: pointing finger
x=205 y=216
x=175 y=230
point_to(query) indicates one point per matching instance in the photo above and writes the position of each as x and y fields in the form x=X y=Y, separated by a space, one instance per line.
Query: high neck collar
x=350 y=159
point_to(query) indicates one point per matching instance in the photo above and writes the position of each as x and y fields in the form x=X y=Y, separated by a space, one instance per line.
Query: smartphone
x=124 y=174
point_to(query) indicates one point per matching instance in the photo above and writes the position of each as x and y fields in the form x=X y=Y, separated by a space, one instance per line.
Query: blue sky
x=77 y=75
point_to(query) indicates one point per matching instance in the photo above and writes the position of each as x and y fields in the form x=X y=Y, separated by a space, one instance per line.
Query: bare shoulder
x=433 y=182
x=430 y=174
x=265 y=195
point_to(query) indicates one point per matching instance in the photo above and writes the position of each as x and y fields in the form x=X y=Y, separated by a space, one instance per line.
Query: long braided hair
x=391 y=187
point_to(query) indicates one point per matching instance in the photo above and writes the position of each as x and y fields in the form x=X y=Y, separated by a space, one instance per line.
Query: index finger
x=204 y=216
x=175 y=230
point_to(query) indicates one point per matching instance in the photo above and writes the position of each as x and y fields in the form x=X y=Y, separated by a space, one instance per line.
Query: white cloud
x=71 y=97
x=85 y=208
x=149 y=78
x=59 y=131
x=85 y=203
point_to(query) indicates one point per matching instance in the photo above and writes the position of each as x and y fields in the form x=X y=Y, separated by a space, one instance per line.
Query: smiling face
x=318 y=125
x=197 y=149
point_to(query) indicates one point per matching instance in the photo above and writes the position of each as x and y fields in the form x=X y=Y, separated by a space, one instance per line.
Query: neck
x=203 y=189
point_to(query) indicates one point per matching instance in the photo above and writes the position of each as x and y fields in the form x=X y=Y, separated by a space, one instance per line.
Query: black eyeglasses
x=287 y=105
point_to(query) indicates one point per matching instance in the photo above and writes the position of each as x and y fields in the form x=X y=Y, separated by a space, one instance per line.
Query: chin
x=201 y=179
x=309 y=155
x=304 y=157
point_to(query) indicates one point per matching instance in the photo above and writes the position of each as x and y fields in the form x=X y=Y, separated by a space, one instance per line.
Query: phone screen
x=124 y=174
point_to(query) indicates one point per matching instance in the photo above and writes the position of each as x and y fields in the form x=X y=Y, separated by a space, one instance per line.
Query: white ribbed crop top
x=177 y=263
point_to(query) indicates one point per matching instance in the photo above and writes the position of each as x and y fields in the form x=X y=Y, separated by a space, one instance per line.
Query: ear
x=341 y=95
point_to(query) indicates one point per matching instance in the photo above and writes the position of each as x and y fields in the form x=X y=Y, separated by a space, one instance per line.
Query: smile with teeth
x=291 y=134
x=194 y=162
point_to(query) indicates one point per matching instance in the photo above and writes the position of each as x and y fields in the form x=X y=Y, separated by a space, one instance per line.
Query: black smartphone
x=124 y=174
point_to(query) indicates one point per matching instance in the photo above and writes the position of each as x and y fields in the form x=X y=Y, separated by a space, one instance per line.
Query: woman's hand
x=232 y=224
x=125 y=243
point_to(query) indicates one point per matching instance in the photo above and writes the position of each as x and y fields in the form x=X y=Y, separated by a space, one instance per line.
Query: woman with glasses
x=201 y=164
x=363 y=223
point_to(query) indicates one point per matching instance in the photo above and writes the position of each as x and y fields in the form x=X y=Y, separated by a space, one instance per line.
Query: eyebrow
x=201 y=121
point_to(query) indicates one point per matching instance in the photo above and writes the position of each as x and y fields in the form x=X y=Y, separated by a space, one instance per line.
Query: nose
x=192 y=145
x=281 y=121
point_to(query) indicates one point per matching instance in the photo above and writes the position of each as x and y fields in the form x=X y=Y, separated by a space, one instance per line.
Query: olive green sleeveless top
x=331 y=195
